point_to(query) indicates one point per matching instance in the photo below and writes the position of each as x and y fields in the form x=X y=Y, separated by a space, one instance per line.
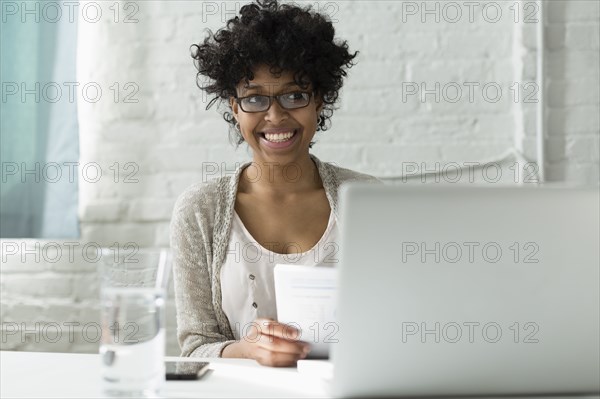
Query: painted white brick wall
x=152 y=149
x=573 y=87
x=50 y=295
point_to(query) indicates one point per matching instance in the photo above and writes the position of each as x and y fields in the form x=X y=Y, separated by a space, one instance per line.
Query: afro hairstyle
x=285 y=37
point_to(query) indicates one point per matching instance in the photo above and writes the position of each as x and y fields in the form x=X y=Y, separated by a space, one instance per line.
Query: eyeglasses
x=260 y=103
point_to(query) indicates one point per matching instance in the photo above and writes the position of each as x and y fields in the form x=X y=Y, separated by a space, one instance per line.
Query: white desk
x=68 y=375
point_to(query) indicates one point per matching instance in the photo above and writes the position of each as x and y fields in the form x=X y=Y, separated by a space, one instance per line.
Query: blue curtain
x=39 y=130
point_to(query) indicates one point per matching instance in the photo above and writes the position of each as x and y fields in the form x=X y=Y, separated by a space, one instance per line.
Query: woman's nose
x=276 y=113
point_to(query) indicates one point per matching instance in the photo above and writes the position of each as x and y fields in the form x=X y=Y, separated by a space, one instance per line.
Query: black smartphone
x=185 y=370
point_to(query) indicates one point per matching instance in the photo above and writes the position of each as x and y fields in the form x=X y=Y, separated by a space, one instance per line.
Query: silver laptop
x=467 y=290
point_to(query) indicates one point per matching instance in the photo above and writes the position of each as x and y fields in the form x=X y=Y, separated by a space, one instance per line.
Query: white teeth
x=279 y=137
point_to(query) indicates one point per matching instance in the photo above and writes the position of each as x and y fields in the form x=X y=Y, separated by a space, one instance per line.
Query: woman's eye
x=254 y=99
x=295 y=96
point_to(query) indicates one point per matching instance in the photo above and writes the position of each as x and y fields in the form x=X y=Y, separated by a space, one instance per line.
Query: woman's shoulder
x=345 y=174
x=201 y=196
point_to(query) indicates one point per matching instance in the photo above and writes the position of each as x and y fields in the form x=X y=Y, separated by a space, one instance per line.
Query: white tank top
x=247 y=283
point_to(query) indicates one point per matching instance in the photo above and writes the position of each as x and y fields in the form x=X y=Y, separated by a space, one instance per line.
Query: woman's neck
x=280 y=180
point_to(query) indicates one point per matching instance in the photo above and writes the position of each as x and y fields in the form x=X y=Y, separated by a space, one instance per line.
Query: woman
x=279 y=71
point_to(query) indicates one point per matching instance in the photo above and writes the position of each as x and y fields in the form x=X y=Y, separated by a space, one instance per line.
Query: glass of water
x=133 y=292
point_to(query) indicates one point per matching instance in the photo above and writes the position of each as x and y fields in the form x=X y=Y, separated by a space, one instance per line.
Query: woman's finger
x=266 y=357
x=282 y=330
x=277 y=344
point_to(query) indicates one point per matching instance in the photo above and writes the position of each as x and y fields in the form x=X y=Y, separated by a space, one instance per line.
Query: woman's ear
x=234 y=106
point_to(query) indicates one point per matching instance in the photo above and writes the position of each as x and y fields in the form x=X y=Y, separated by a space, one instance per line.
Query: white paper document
x=305 y=298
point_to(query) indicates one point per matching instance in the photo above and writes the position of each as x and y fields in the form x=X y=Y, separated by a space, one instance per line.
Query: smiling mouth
x=279 y=137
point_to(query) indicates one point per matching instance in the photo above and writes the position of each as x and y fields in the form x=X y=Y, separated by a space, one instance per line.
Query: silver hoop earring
x=237 y=126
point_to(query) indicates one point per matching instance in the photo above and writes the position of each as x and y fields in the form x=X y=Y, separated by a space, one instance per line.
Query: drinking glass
x=133 y=292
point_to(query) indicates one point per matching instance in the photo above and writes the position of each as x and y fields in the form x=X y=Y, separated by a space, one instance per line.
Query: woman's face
x=267 y=132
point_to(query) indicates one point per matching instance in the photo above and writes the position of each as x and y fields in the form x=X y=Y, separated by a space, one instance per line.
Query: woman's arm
x=197 y=326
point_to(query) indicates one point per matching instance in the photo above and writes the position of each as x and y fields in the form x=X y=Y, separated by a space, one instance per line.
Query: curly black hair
x=283 y=36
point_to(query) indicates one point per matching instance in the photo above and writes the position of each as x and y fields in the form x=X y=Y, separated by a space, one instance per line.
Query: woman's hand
x=270 y=343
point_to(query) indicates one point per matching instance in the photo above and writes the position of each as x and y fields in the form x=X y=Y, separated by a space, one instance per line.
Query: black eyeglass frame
x=239 y=100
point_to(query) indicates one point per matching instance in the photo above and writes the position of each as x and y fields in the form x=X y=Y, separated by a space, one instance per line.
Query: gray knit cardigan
x=199 y=234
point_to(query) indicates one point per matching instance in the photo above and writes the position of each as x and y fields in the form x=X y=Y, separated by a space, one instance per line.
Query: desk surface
x=70 y=375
